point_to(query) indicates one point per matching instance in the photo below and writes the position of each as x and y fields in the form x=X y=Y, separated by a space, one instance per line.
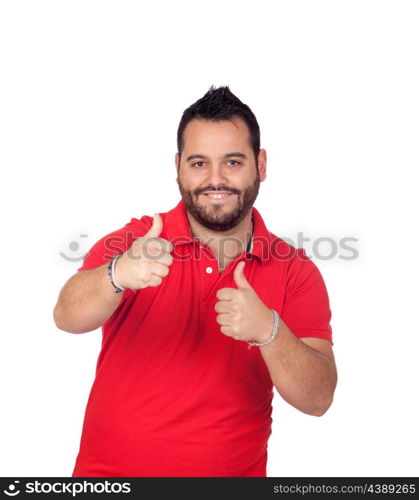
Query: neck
x=226 y=245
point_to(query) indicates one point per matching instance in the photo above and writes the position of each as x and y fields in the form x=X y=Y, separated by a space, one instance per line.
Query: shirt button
x=208 y=270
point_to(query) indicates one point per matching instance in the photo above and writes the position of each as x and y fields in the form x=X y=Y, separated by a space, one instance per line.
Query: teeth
x=217 y=196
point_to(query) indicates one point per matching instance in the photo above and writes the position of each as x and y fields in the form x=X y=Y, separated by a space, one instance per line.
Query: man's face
x=218 y=179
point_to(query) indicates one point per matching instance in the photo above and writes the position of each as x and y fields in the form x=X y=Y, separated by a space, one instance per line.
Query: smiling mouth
x=217 y=196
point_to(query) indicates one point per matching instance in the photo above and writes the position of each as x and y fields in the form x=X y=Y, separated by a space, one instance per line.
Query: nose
x=216 y=176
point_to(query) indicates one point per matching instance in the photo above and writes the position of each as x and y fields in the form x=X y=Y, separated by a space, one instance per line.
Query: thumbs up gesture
x=242 y=315
x=147 y=261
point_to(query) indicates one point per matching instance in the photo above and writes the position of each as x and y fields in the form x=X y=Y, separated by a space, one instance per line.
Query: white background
x=91 y=96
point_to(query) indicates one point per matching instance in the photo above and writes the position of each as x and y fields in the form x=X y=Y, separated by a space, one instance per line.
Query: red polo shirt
x=172 y=395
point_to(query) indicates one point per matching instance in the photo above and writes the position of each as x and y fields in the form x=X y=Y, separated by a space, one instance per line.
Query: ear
x=262 y=160
x=176 y=166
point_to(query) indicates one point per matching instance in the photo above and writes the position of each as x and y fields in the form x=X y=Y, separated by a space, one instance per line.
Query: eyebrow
x=228 y=155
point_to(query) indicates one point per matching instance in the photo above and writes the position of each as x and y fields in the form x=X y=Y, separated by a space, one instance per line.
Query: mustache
x=220 y=188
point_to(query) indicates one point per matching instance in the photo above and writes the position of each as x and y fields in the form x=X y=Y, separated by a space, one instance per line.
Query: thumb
x=156 y=228
x=239 y=277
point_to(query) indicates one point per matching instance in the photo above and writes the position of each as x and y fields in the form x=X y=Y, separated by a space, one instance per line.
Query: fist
x=147 y=261
x=241 y=313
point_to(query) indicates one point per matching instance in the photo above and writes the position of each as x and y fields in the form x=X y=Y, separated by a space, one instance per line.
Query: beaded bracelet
x=111 y=274
x=275 y=330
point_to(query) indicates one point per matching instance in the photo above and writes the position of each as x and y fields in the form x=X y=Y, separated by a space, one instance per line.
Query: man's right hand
x=147 y=261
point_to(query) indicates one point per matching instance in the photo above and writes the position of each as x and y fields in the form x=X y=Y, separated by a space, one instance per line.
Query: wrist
x=265 y=332
x=112 y=274
x=273 y=332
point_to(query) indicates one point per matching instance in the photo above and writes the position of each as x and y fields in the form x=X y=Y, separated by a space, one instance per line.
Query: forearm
x=86 y=301
x=304 y=377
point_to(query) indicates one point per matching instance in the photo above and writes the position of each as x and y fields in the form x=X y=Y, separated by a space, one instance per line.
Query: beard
x=216 y=217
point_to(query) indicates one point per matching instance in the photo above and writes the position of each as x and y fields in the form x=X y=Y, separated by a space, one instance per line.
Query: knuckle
x=156 y=282
x=145 y=275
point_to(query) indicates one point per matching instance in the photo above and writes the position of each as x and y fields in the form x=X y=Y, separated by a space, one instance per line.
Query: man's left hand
x=242 y=315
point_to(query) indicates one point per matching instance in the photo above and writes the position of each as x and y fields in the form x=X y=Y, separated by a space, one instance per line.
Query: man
x=203 y=312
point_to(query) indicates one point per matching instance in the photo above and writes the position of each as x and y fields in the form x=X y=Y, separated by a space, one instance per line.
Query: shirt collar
x=179 y=233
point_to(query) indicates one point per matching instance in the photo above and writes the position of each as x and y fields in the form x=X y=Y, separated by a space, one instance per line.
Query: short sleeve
x=114 y=243
x=306 y=308
x=103 y=250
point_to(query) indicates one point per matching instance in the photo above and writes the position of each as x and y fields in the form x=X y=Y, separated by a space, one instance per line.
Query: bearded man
x=203 y=312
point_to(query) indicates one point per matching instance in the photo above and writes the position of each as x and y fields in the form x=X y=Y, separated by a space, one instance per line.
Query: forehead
x=215 y=136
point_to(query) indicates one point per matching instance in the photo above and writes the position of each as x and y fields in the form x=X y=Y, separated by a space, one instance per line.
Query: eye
x=236 y=162
x=196 y=163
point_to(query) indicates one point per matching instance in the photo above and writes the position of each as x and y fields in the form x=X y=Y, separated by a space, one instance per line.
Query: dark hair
x=216 y=105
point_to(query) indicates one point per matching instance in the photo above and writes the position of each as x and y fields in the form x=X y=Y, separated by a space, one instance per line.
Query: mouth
x=222 y=195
